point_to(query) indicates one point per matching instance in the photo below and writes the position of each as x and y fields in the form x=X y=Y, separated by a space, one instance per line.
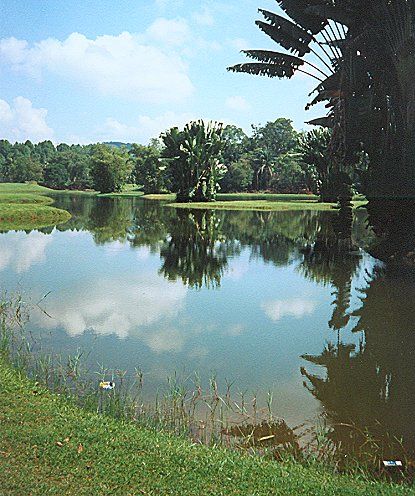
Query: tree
x=235 y=144
x=309 y=32
x=192 y=157
x=368 y=67
x=56 y=174
x=272 y=148
x=277 y=137
x=315 y=151
x=148 y=171
x=24 y=168
x=44 y=151
x=110 y=168
x=239 y=176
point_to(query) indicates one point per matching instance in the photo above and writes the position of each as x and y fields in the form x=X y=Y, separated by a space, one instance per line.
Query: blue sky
x=87 y=70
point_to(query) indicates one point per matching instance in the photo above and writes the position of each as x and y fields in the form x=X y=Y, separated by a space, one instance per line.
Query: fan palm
x=366 y=68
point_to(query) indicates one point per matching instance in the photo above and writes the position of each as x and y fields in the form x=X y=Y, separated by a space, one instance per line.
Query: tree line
x=194 y=162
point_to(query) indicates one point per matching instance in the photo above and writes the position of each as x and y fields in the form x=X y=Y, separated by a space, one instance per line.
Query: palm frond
x=286 y=33
x=297 y=10
x=264 y=69
x=322 y=121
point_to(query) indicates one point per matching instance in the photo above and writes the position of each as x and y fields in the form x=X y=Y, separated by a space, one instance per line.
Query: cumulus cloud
x=19 y=251
x=143 y=67
x=169 y=31
x=146 y=127
x=239 y=44
x=204 y=17
x=237 y=103
x=128 y=306
x=20 y=121
x=296 y=307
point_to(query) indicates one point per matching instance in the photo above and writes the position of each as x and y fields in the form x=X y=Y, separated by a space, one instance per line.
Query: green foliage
x=56 y=174
x=148 y=170
x=275 y=166
x=193 y=163
x=110 y=168
x=24 y=168
x=69 y=168
x=319 y=171
x=239 y=175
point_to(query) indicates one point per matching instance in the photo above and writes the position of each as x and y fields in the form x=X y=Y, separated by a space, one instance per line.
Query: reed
x=208 y=416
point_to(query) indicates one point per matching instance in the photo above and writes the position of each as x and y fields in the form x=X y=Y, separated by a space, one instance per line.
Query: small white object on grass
x=392 y=463
x=107 y=385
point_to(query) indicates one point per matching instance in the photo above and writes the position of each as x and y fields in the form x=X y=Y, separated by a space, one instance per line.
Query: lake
x=270 y=301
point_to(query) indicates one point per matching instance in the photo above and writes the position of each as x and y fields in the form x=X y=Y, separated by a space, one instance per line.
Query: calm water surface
x=272 y=301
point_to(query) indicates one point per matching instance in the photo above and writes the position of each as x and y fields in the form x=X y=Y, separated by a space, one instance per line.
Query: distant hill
x=118 y=144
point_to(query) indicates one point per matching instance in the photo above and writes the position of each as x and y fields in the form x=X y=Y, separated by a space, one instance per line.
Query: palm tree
x=363 y=56
x=192 y=158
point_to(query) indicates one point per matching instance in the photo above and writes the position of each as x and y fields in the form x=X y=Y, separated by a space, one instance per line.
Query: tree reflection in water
x=370 y=386
x=368 y=391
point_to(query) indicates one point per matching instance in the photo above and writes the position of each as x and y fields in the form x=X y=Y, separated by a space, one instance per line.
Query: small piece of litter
x=266 y=438
x=106 y=385
x=392 y=463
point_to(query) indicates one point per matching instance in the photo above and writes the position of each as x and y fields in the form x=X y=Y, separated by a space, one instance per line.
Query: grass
x=48 y=446
x=253 y=201
x=25 y=206
x=257 y=205
x=129 y=191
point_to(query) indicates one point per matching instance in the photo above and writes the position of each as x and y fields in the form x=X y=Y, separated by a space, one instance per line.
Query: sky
x=126 y=70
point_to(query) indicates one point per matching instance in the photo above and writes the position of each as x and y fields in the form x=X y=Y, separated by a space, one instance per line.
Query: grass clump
x=25 y=206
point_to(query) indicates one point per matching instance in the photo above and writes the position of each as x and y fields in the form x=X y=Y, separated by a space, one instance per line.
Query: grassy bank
x=268 y=205
x=25 y=206
x=253 y=201
x=50 y=446
x=129 y=191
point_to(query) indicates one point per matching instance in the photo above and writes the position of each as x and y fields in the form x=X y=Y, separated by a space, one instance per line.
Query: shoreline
x=48 y=445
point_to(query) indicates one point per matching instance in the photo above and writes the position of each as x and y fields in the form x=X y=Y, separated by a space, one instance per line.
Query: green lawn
x=253 y=201
x=23 y=188
x=25 y=206
x=129 y=191
x=50 y=447
x=258 y=205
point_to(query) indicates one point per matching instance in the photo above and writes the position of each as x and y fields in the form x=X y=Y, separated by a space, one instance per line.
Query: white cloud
x=20 y=251
x=237 y=103
x=125 y=307
x=146 y=127
x=204 y=17
x=239 y=44
x=129 y=66
x=169 y=31
x=21 y=121
x=296 y=307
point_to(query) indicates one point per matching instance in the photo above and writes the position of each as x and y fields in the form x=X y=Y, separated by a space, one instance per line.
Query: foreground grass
x=25 y=206
x=48 y=446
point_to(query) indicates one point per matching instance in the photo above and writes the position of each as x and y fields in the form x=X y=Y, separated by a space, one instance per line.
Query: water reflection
x=256 y=270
